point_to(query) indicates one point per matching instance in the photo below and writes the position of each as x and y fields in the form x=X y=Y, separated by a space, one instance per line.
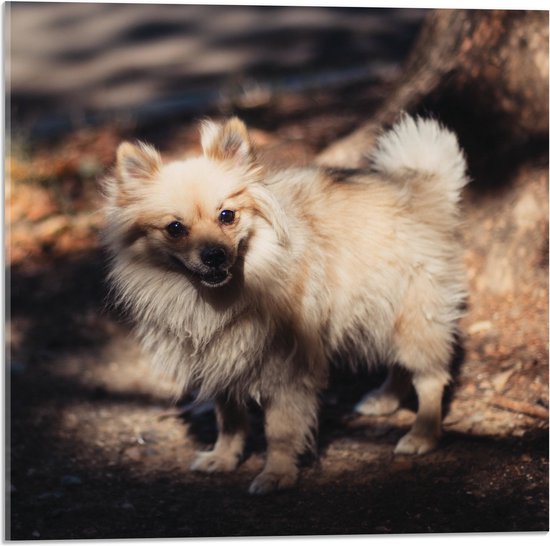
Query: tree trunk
x=483 y=73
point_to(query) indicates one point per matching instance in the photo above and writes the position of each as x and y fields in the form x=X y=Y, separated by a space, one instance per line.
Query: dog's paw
x=377 y=403
x=415 y=444
x=212 y=461
x=268 y=482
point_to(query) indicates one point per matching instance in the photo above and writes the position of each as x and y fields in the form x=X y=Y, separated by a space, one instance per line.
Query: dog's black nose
x=213 y=256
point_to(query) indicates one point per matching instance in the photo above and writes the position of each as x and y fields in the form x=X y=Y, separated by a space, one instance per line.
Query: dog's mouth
x=212 y=277
x=215 y=278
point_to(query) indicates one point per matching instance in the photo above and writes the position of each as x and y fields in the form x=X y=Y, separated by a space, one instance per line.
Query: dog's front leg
x=231 y=418
x=290 y=423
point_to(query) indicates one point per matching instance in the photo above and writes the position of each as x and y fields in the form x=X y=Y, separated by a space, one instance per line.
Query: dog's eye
x=176 y=229
x=227 y=216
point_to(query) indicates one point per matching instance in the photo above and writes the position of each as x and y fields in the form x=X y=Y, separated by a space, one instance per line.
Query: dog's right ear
x=137 y=164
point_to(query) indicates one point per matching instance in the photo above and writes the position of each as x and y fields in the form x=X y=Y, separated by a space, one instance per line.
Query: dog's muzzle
x=209 y=275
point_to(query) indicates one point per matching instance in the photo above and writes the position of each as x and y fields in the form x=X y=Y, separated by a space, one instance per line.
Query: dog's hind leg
x=424 y=343
x=426 y=430
x=231 y=418
x=426 y=353
x=387 y=398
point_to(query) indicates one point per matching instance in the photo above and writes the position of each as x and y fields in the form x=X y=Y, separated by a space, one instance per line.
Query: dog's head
x=197 y=215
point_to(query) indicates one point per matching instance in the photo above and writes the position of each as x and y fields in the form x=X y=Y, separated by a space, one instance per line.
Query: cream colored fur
x=363 y=267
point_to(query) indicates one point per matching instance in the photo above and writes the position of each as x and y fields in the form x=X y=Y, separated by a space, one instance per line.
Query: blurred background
x=75 y=63
x=96 y=447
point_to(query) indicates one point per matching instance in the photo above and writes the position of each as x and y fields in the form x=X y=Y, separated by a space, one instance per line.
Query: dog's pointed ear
x=136 y=164
x=229 y=141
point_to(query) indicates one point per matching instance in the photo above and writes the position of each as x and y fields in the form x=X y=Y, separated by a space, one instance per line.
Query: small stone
x=500 y=380
x=480 y=326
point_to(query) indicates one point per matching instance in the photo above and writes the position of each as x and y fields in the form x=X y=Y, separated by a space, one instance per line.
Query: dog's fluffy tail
x=423 y=145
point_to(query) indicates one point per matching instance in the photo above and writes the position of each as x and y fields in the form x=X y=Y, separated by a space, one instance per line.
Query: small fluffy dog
x=245 y=282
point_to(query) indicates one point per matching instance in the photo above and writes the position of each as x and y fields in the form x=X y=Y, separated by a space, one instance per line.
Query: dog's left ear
x=227 y=142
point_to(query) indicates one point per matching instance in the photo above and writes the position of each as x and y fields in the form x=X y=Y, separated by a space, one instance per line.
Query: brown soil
x=98 y=449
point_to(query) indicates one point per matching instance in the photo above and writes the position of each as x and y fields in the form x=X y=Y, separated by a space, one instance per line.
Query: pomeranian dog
x=245 y=283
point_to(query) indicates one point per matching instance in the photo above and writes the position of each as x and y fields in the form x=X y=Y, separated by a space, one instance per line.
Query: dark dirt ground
x=97 y=448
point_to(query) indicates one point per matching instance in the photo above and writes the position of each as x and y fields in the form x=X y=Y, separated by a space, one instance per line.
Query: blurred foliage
x=53 y=194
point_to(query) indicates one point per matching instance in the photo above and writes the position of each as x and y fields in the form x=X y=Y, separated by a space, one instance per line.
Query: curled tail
x=423 y=145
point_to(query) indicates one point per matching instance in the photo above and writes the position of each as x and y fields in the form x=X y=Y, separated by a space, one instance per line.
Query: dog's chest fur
x=200 y=343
